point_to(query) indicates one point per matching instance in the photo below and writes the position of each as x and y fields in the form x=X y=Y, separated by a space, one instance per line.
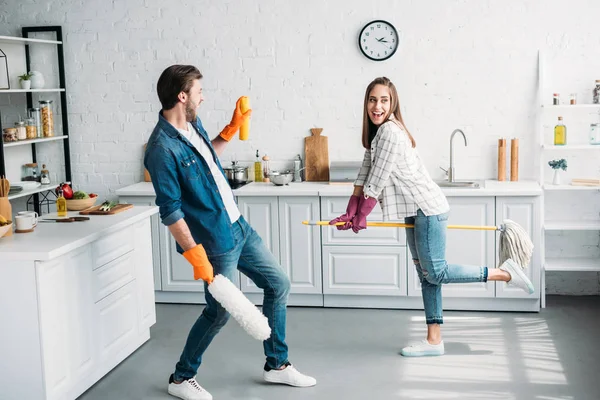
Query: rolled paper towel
x=245 y=128
x=514 y=159
x=502 y=159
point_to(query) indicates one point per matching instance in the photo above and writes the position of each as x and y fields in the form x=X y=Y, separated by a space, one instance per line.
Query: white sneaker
x=517 y=276
x=188 y=390
x=423 y=349
x=289 y=376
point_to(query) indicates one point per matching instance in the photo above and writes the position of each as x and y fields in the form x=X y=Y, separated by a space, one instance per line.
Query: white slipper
x=423 y=349
x=517 y=276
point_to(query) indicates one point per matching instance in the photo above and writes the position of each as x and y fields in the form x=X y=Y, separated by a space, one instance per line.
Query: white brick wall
x=461 y=64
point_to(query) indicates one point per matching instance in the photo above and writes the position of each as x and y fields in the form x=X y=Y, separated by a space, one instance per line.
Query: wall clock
x=378 y=40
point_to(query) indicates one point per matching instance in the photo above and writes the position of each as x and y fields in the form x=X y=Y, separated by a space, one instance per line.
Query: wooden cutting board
x=316 y=151
x=115 y=210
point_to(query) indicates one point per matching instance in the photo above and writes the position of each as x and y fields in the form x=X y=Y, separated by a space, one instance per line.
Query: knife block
x=6 y=212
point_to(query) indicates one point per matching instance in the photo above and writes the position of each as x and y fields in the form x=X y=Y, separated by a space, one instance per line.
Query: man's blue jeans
x=427 y=244
x=253 y=259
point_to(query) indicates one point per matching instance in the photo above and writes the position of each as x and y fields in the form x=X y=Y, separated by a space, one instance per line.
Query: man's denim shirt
x=185 y=187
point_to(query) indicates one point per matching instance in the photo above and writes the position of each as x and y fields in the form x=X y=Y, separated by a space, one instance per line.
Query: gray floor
x=354 y=354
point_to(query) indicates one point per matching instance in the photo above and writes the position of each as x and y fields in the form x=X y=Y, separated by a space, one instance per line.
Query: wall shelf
x=573 y=264
x=24 y=40
x=38 y=140
x=4 y=91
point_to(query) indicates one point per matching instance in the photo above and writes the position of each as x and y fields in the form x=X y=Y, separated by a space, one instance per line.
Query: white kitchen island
x=372 y=269
x=76 y=300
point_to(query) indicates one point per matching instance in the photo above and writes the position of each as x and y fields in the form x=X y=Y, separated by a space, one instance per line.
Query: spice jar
x=9 y=135
x=35 y=114
x=573 y=98
x=21 y=130
x=30 y=128
x=47 y=117
x=555 y=99
x=45 y=175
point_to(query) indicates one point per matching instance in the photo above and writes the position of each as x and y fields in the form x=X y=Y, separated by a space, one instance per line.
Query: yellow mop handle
x=400 y=225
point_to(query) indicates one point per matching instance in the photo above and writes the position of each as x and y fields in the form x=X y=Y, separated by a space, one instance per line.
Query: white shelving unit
x=63 y=137
x=557 y=223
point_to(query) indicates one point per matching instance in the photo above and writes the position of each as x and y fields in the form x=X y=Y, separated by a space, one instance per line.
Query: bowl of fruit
x=81 y=200
x=5 y=225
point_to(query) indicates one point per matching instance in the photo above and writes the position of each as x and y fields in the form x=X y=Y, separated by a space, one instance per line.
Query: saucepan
x=236 y=174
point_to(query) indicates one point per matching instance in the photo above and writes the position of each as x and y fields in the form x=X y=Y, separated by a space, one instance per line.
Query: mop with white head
x=241 y=309
x=515 y=244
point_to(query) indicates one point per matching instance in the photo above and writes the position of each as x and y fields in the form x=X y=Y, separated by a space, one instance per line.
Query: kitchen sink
x=459 y=184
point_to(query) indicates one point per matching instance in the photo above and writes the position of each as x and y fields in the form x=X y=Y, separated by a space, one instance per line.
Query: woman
x=393 y=173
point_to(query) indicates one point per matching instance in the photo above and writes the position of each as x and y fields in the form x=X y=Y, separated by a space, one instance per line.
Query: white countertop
x=488 y=188
x=52 y=239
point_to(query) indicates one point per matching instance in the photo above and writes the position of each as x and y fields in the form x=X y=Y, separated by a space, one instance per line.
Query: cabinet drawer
x=113 y=276
x=112 y=246
x=379 y=271
x=332 y=207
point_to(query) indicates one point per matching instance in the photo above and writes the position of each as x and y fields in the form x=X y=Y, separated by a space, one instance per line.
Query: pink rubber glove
x=350 y=213
x=364 y=209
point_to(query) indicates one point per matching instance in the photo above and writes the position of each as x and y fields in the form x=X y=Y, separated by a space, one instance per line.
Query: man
x=198 y=206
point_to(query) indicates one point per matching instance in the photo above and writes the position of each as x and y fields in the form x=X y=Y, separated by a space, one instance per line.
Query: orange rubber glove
x=203 y=269
x=237 y=120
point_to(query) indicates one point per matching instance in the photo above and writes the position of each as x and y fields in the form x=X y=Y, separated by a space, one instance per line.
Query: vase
x=26 y=85
x=37 y=80
x=556 y=179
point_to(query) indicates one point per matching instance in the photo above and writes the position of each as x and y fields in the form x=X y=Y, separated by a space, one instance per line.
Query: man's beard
x=190 y=112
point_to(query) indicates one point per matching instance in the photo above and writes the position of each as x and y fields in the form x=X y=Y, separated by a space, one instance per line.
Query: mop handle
x=400 y=225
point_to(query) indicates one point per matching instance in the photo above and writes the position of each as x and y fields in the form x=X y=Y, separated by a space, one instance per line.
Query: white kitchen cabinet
x=78 y=304
x=156 y=226
x=300 y=245
x=333 y=207
x=262 y=213
x=522 y=210
x=465 y=247
x=67 y=325
x=366 y=270
x=278 y=220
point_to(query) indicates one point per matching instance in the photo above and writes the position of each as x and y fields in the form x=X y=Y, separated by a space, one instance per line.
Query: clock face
x=378 y=40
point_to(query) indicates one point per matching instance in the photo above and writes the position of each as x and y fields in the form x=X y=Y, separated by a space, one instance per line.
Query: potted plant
x=556 y=166
x=25 y=81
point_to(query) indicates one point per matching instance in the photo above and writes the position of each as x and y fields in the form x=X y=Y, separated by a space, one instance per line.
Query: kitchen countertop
x=53 y=239
x=488 y=188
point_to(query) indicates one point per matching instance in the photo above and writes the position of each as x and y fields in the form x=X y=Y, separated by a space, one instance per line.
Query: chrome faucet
x=451 y=168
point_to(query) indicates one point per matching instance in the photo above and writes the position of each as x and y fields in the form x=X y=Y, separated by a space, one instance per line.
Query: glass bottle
x=266 y=167
x=35 y=114
x=555 y=99
x=21 y=130
x=44 y=176
x=47 y=117
x=30 y=128
x=560 y=133
x=257 y=169
x=61 y=204
x=596 y=99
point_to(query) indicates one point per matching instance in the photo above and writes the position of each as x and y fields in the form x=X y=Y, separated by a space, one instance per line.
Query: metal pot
x=236 y=174
x=281 y=178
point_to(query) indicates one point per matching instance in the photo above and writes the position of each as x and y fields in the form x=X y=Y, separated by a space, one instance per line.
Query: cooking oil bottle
x=61 y=204
x=560 y=133
x=258 y=177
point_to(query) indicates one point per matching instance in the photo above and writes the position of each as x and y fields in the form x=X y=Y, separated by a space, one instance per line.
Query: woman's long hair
x=369 y=128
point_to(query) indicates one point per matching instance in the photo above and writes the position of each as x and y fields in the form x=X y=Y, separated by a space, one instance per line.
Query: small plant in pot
x=25 y=81
x=557 y=165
